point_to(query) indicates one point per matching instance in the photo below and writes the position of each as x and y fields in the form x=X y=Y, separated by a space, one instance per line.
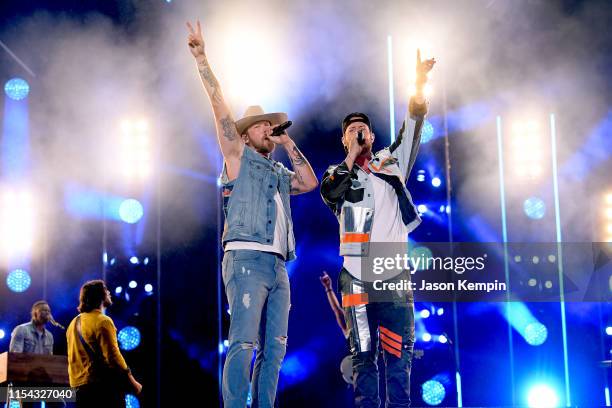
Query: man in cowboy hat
x=368 y=194
x=257 y=238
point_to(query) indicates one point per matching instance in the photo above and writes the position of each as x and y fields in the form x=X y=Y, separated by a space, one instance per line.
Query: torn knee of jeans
x=249 y=345
x=282 y=340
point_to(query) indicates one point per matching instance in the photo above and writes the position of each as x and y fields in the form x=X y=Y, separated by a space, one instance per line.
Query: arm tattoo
x=229 y=128
x=207 y=75
x=298 y=159
x=209 y=78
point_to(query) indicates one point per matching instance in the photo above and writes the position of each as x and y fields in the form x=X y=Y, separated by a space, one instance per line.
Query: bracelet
x=328 y=290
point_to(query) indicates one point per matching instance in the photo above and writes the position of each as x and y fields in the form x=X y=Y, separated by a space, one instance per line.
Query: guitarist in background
x=96 y=367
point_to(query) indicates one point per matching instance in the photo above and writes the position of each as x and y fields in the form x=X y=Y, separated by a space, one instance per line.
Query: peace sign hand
x=195 y=40
x=422 y=68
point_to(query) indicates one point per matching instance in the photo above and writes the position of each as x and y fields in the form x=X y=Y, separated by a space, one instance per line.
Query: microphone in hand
x=280 y=129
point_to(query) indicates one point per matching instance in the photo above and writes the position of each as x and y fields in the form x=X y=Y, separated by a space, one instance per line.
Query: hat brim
x=274 y=118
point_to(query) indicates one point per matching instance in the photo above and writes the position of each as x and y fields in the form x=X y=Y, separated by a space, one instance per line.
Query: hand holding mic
x=280 y=129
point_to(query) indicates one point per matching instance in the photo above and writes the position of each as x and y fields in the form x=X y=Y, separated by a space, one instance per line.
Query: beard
x=266 y=146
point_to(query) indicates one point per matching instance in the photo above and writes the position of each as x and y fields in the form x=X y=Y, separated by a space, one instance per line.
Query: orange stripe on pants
x=391 y=350
x=390 y=341
x=390 y=334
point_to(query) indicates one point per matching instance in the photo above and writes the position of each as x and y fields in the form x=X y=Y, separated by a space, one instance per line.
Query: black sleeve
x=336 y=181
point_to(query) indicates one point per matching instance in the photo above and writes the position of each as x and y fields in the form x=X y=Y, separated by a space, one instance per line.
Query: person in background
x=96 y=367
x=33 y=337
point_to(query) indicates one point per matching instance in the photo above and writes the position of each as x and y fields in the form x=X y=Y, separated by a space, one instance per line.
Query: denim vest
x=248 y=201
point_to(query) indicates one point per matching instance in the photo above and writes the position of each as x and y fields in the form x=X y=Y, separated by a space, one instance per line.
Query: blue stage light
x=426 y=337
x=425 y=313
x=18 y=280
x=421 y=175
x=433 y=392
x=436 y=182
x=133 y=284
x=220 y=348
x=134 y=260
x=131 y=211
x=148 y=288
x=131 y=401
x=542 y=396
x=428 y=132
x=146 y=261
x=536 y=334
x=118 y=290
x=226 y=343
x=129 y=338
x=440 y=311
x=534 y=208
x=442 y=339
x=17 y=89
x=422 y=208
x=609 y=330
x=2 y=334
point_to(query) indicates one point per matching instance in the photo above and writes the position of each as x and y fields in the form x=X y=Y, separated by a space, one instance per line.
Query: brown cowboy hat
x=254 y=114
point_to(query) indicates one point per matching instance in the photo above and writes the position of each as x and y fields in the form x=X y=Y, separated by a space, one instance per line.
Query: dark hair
x=36 y=304
x=355 y=117
x=92 y=295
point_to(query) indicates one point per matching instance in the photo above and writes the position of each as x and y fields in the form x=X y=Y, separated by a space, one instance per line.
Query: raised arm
x=406 y=145
x=229 y=140
x=334 y=304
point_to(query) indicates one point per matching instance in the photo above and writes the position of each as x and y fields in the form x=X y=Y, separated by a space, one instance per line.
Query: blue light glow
x=534 y=208
x=427 y=133
x=133 y=284
x=129 y=338
x=536 y=334
x=148 y=288
x=18 y=280
x=542 y=396
x=131 y=401
x=118 y=290
x=433 y=392
x=134 y=260
x=436 y=182
x=17 y=89
x=131 y=211
x=2 y=334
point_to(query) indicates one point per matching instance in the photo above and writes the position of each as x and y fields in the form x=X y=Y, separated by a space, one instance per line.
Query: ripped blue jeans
x=257 y=288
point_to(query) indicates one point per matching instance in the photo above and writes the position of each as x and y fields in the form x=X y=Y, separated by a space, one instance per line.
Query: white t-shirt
x=279 y=244
x=387 y=225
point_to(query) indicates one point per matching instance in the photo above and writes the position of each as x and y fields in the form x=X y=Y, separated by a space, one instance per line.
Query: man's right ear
x=245 y=138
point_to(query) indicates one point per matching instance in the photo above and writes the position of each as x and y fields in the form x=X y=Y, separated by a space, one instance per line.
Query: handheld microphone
x=280 y=129
x=360 y=138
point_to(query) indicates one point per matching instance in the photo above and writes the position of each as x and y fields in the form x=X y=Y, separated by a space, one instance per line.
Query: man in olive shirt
x=33 y=337
x=98 y=331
